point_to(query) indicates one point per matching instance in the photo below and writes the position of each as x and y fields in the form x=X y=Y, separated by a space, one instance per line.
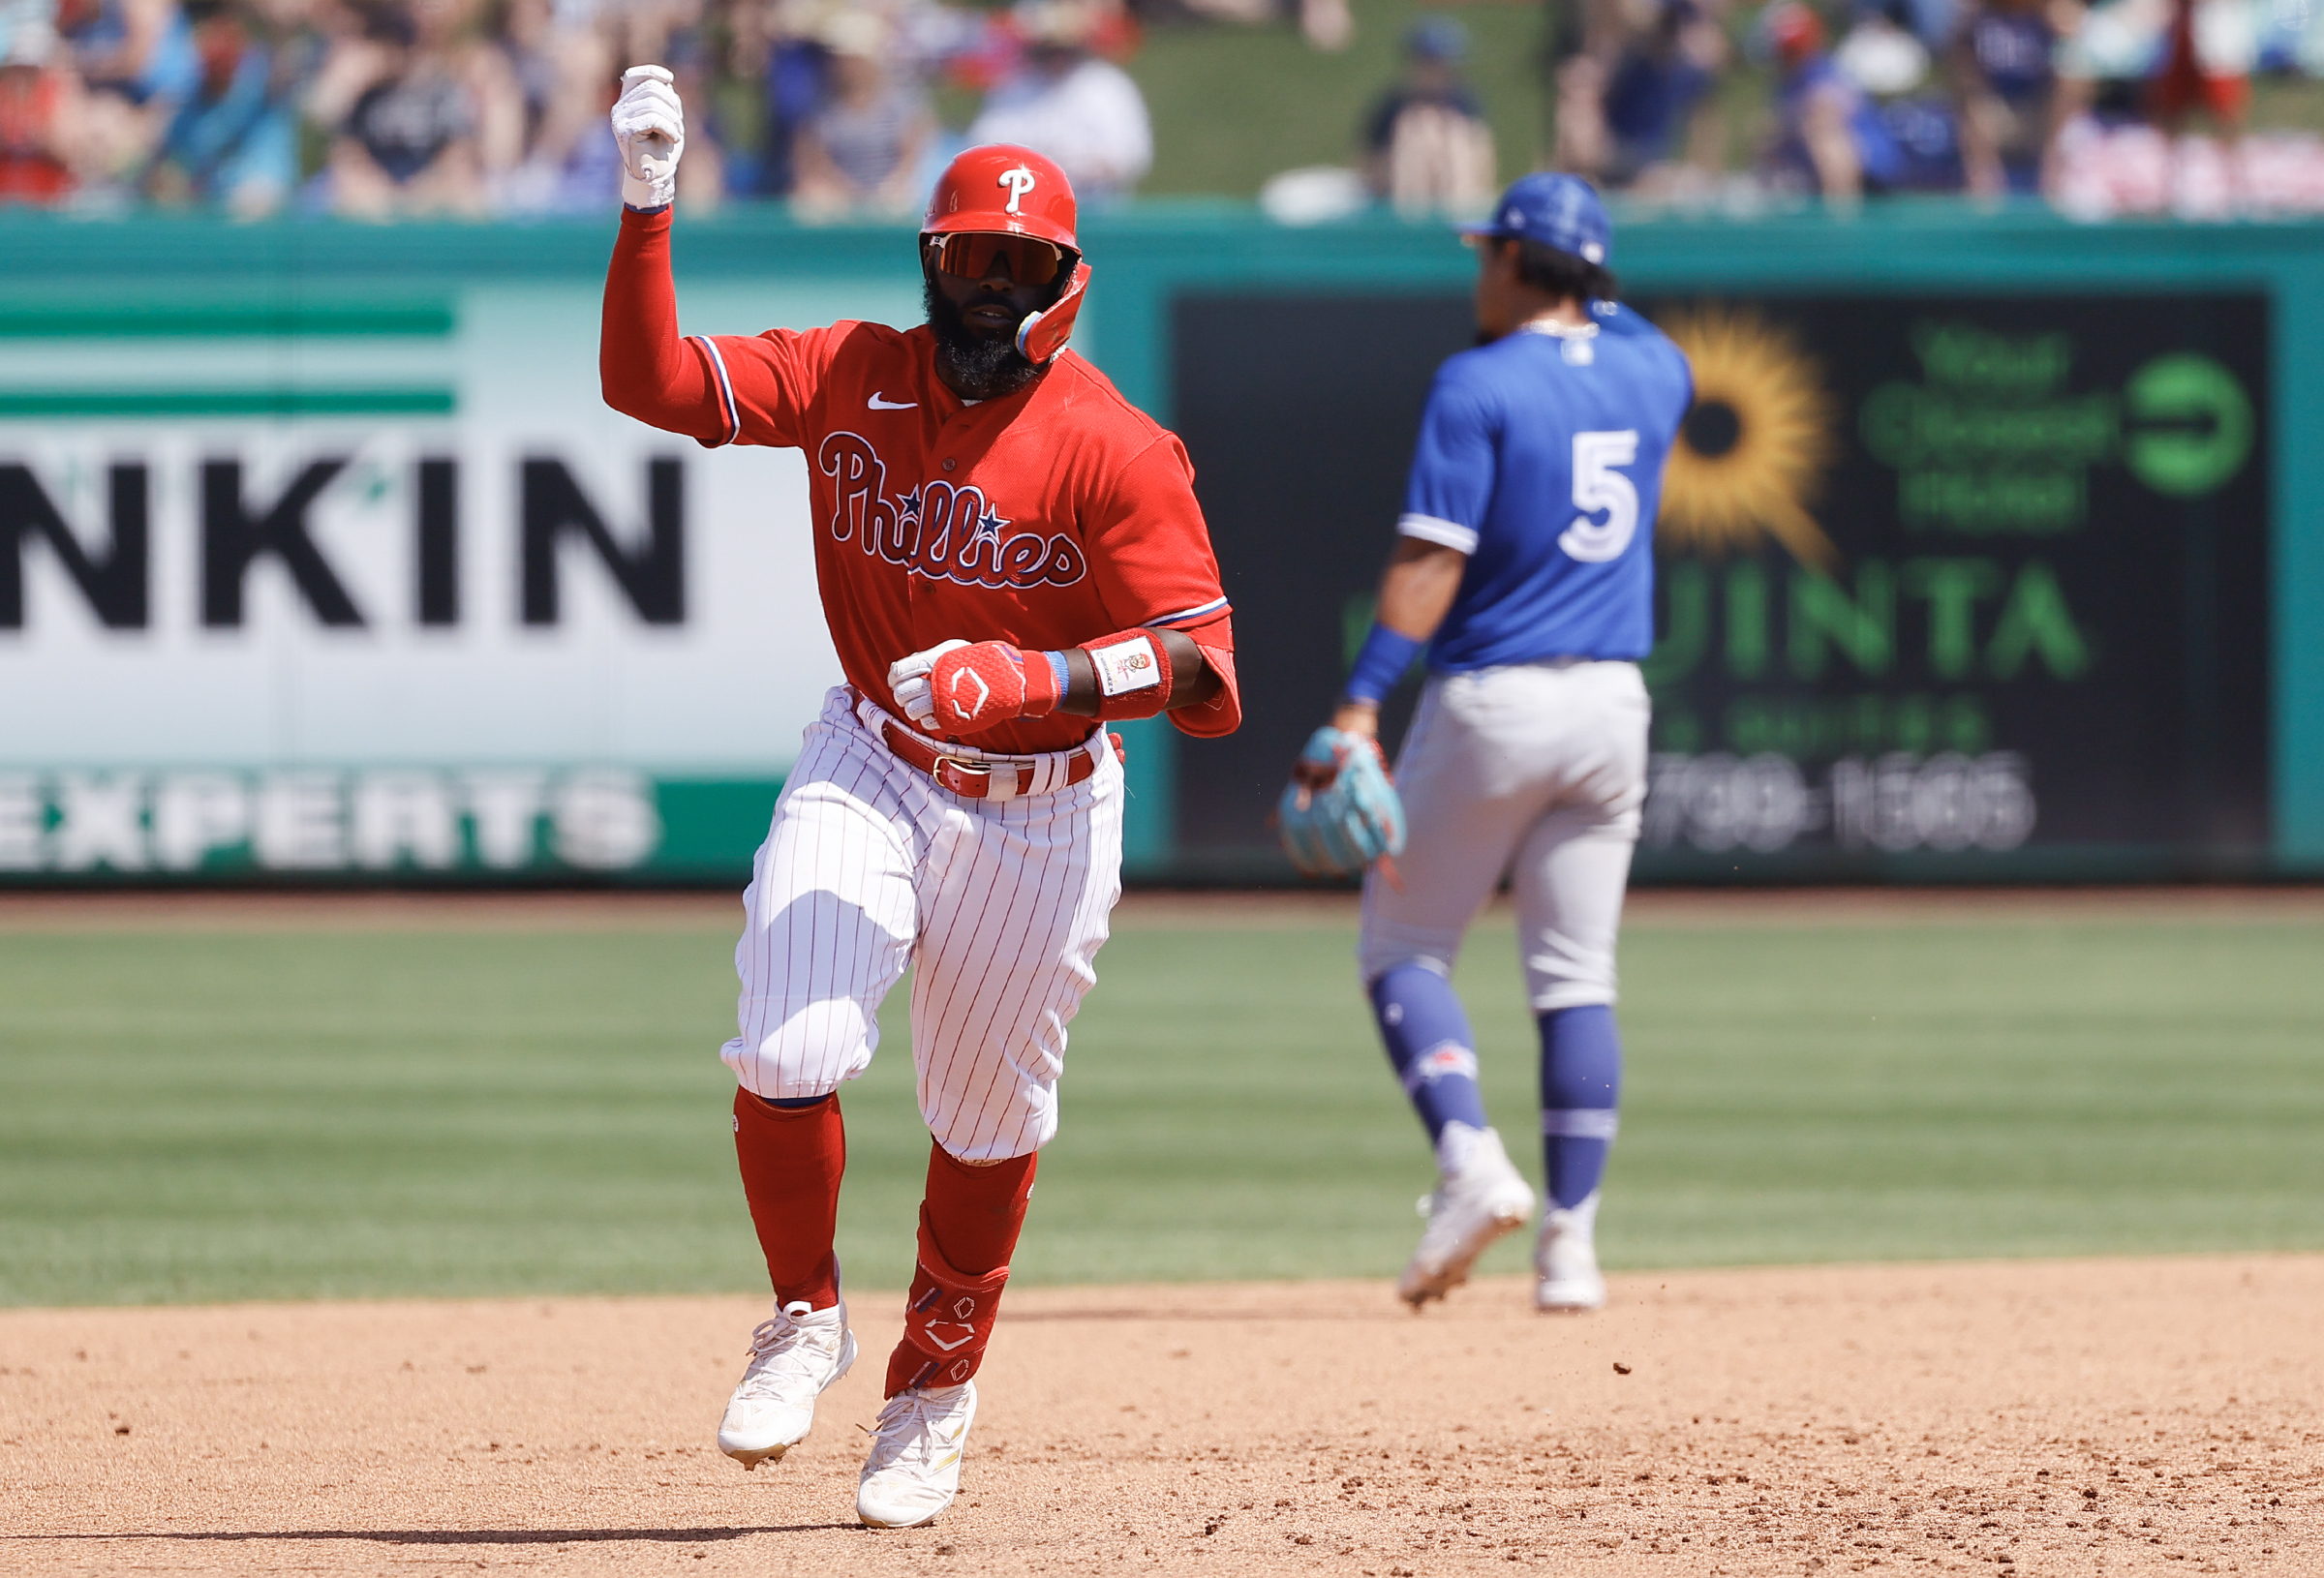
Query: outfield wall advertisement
x=1966 y=584
x=1990 y=550
x=379 y=585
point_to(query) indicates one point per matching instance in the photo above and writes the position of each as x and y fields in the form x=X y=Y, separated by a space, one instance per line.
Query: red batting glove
x=989 y=683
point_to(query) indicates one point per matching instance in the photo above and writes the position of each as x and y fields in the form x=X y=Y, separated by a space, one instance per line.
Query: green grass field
x=321 y=1112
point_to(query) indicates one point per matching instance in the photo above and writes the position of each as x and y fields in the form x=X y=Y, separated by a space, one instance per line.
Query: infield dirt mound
x=2024 y=1418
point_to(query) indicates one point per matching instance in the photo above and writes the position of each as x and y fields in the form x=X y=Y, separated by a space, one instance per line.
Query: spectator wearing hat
x=1064 y=101
x=861 y=150
x=1427 y=147
x=1883 y=56
x=1829 y=137
x=233 y=140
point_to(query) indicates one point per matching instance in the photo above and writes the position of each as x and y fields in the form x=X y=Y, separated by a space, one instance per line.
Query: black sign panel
x=1966 y=583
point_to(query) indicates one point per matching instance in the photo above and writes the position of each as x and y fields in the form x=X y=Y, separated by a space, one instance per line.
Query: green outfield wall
x=318 y=556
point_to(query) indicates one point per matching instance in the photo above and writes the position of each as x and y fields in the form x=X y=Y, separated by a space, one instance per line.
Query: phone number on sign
x=1894 y=802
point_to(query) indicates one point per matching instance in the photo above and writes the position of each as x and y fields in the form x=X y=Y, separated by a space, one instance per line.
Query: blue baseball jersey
x=1541 y=457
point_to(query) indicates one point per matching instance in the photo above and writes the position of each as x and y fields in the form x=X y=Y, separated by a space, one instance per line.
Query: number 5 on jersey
x=1597 y=485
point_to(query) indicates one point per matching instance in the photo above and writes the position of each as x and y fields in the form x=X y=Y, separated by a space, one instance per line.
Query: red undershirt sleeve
x=1222 y=713
x=645 y=369
x=715 y=389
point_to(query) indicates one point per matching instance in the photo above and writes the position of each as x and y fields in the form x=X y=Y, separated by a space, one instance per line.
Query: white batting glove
x=650 y=125
x=907 y=678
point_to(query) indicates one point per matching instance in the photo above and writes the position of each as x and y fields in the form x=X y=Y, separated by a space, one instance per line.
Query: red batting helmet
x=1011 y=190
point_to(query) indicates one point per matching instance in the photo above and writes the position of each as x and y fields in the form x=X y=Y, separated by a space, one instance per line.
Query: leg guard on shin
x=947 y=1320
x=968 y=1227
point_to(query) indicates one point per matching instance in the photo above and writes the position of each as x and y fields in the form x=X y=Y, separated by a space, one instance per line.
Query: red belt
x=978 y=778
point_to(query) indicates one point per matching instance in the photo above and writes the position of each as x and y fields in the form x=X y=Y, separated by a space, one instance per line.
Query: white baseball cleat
x=1479 y=1197
x=914 y=1470
x=793 y=1357
x=1566 y=1259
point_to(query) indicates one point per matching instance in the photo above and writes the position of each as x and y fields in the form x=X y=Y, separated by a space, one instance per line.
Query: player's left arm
x=1192 y=679
x=1172 y=653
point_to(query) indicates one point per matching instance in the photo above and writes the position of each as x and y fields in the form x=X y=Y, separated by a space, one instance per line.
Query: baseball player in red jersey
x=1009 y=553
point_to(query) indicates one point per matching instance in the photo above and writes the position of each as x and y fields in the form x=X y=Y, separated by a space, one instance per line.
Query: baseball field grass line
x=129 y=910
x=312 y=1111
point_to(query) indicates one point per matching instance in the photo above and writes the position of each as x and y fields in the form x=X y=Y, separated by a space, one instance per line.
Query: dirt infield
x=2022 y=1418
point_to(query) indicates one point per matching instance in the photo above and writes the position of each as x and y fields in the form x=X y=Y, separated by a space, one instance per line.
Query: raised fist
x=960 y=688
x=650 y=125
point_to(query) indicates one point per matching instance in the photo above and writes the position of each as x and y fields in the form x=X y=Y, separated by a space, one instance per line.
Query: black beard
x=977 y=366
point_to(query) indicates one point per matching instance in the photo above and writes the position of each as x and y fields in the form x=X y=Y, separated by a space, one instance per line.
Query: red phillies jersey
x=1046 y=518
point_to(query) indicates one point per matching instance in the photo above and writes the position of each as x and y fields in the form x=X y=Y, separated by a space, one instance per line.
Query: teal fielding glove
x=1339 y=812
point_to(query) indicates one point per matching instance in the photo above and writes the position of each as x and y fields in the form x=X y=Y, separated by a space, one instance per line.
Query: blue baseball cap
x=1559 y=211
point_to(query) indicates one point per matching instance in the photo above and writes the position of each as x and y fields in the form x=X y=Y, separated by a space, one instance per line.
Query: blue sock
x=1582 y=1085
x=1429 y=1046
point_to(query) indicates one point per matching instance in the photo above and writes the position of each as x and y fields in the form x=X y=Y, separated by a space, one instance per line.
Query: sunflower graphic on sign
x=1753 y=447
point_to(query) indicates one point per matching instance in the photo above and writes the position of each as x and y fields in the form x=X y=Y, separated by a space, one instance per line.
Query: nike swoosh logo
x=878 y=404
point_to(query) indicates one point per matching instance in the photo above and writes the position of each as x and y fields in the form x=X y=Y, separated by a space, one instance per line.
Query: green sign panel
x=1962 y=578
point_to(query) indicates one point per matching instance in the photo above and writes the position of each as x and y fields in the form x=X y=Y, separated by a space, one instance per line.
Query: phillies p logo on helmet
x=1019 y=181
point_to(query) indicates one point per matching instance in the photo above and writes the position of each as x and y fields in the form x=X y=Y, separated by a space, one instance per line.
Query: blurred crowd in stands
x=383 y=107
x=2108 y=107
x=2103 y=106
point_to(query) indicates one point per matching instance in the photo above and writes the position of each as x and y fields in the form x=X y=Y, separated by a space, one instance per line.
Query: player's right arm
x=1445 y=499
x=1340 y=812
x=716 y=392
x=1416 y=593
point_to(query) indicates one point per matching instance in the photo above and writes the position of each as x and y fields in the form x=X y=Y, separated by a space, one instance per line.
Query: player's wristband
x=1382 y=662
x=1134 y=678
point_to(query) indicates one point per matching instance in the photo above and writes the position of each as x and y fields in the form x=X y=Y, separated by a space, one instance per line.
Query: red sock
x=969 y=1225
x=792 y=1159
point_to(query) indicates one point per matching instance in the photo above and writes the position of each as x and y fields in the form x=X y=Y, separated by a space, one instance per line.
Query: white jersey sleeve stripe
x=727 y=401
x=1215 y=605
x=1446 y=533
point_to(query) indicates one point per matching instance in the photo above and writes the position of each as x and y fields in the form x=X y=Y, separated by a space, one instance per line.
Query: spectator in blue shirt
x=2003 y=69
x=1829 y=133
x=231 y=142
x=1664 y=76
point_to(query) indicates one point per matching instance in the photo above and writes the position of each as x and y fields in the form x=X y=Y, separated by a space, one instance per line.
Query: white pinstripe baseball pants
x=999 y=907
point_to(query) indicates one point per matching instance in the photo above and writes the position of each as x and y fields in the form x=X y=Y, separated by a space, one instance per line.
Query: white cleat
x=1479 y=1197
x=914 y=1470
x=793 y=1357
x=1566 y=1259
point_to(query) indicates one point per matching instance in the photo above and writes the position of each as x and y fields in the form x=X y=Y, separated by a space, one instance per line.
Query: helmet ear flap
x=1043 y=334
